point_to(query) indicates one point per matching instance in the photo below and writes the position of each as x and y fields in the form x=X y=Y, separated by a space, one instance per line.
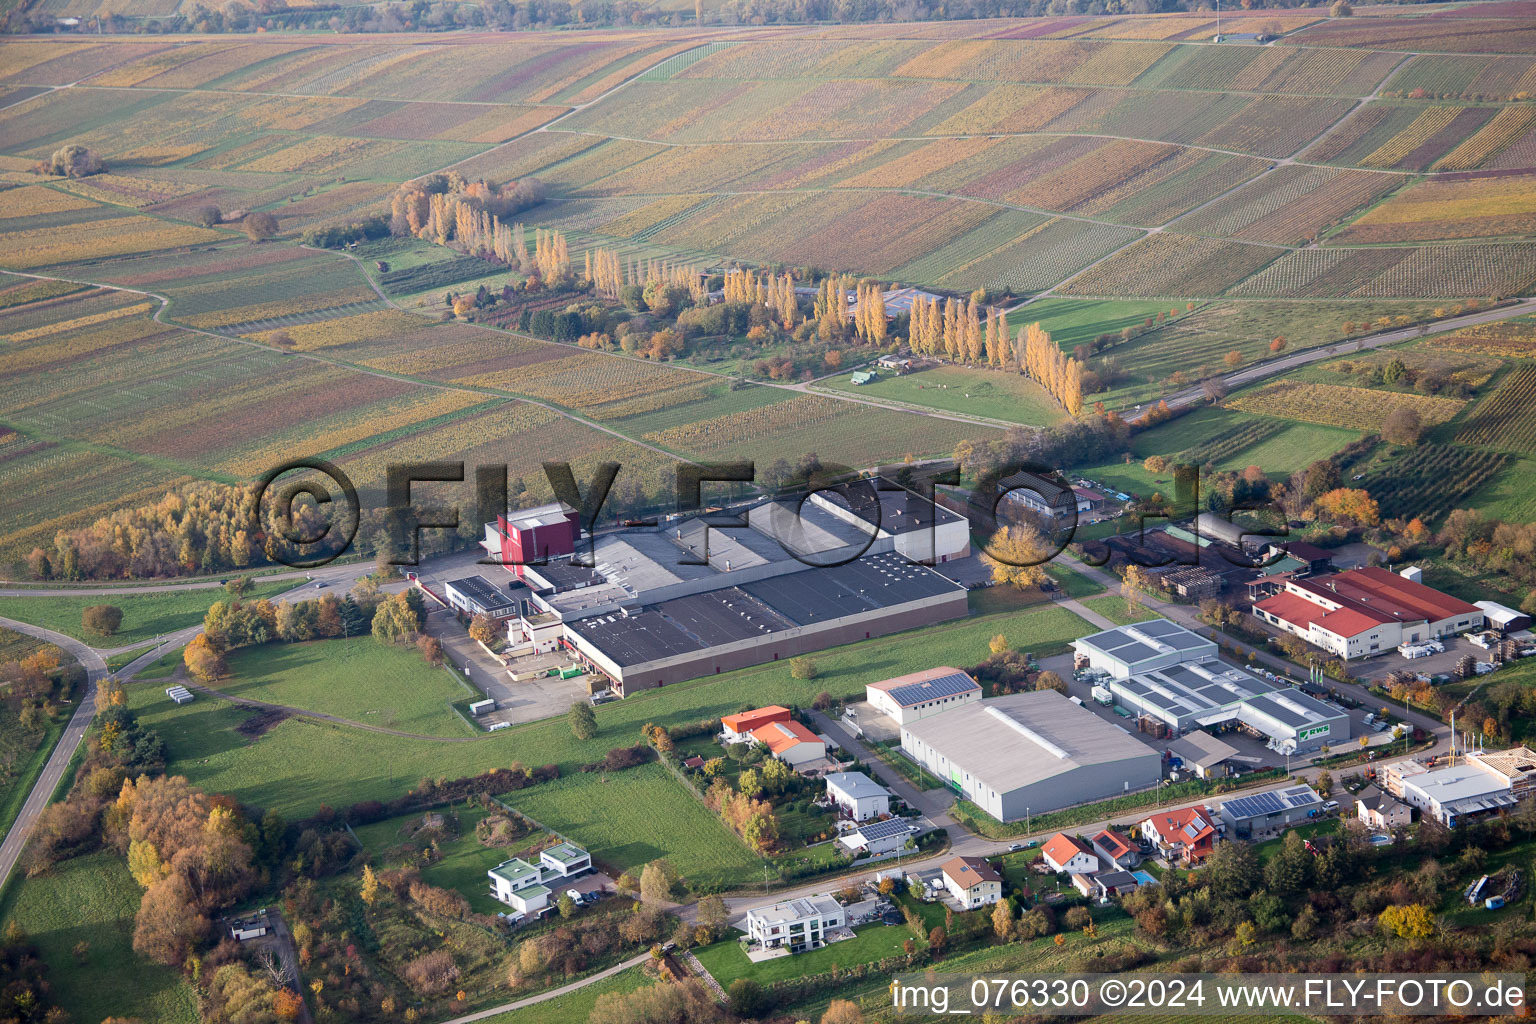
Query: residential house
x=1380 y=811
x=1068 y=853
x=878 y=837
x=972 y=881
x=1114 y=848
x=1185 y=835
x=790 y=742
x=917 y=695
x=564 y=860
x=799 y=924
x=859 y=796
x=738 y=728
x=1108 y=884
x=520 y=886
x=251 y=926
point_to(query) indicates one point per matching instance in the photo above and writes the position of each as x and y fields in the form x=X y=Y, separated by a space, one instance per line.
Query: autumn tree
x=395 y=619
x=101 y=619
x=1348 y=505
x=483 y=629
x=1403 y=426
x=1277 y=345
x=658 y=881
x=1002 y=921
x=1017 y=556
x=204 y=659
x=803 y=668
x=259 y=226
x=1049 y=680
x=1233 y=359
x=207 y=216
x=74 y=161
x=843 y=1011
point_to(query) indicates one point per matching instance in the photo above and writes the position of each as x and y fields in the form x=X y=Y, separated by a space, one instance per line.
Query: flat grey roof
x=1143 y=640
x=1024 y=738
x=1202 y=749
x=856 y=784
x=486 y=594
x=872 y=582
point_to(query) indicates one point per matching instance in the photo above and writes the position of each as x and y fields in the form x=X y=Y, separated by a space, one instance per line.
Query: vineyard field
x=1289 y=206
x=1430 y=480
x=1339 y=406
x=1172 y=265
x=1504 y=419
x=1508 y=338
x=1442 y=209
x=1449 y=271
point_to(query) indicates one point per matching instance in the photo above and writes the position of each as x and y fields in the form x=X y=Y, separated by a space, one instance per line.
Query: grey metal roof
x=856 y=785
x=1024 y=738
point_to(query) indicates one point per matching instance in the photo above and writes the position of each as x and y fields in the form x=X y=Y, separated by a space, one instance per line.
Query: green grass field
x=1072 y=322
x=93 y=899
x=1293 y=448
x=573 y=1007
x=23 y=754
x=629 y=818
x=144 y=614
x=1511 y=495
x=356 y=678
x=726 y=961
x=298 y=764
x=994 y=394
x=1112 y=607
x=463 y=861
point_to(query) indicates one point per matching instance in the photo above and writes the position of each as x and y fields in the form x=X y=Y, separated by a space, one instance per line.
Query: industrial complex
x=697 y=596
x=1162 y=671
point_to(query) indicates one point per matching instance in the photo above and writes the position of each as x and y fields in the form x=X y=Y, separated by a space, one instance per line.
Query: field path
x=554 y=993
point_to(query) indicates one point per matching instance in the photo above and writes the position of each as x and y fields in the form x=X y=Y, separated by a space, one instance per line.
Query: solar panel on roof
x=932 y=689
x=884 y=829
x=1255 y=805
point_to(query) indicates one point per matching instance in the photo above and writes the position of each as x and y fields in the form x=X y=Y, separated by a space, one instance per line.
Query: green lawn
x=1511 y=495
x=1112 y=607
x=144 y=615
x=357 y=678
x=1072 y=322
x=994 y=394
x=463 y=861
x=573 y=1007
x=23 y=754
x=631 y=817
x=1294 y=447
x=93 y=899
x=726 y=961
x=118 y=662
x=299 y=764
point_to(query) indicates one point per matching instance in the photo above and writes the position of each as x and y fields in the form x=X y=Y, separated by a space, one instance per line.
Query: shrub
x=101 y=619
x=803 y=668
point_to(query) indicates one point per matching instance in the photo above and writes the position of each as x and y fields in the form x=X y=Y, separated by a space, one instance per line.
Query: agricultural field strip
x=436 y=385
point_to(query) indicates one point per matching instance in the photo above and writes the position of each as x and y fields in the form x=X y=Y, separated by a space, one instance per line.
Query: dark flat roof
x=869 y=583
x=563 y=575
x=637 y=639
x=486 y=594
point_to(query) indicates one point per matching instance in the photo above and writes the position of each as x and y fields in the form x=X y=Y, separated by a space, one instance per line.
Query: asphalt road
x=1271 y=367
x=74 y=732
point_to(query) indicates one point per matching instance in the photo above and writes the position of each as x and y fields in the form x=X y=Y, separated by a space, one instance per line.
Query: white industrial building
x=1129 y=650
x=860 y=797
x=798 y=925
x=1030 y=752
x=920 y=694
x=1163 y=671
x=1453 y=794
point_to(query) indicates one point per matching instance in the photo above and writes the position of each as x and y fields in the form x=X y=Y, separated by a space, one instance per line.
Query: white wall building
x=858 y=795
x=972 y=881
x=918 y=695
x=799 y=924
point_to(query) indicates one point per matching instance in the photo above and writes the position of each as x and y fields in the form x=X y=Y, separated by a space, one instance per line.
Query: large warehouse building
x=1164 y=671
x=662 y=604
x=1030 y=752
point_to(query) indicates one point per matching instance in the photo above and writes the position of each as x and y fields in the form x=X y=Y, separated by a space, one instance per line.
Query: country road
x=58 y=761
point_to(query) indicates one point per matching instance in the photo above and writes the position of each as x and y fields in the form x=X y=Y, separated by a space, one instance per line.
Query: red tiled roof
x=746 y=721
x=1415 y=600
x=778 y=736
x=1187 y=825
x=1347 y=622
x=1113 y=843
x=1061 y=848
x=1293 y=608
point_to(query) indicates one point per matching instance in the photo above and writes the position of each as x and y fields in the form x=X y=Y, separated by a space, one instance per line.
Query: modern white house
x=564 y=860
x=520 y=886
x=525 y=887
x=251 y=926
x=920 y=694
x=859 y=796
x=799 y=924
x=972 y=881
